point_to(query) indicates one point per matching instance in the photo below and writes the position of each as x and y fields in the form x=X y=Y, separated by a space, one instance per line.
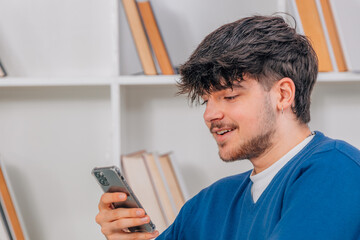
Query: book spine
x=155 y=38
x=332 y=33
x=312 y=26
x=139 y=37
x=160 y=189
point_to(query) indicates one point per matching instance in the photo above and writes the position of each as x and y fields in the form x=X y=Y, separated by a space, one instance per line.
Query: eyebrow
x=237 y=86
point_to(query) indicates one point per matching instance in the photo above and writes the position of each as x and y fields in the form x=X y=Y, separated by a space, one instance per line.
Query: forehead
x=243 y=85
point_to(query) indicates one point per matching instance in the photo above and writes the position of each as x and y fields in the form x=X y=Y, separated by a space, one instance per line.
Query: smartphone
x=110 y=179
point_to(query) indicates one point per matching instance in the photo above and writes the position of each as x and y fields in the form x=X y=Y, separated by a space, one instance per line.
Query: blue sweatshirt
x=316 y=195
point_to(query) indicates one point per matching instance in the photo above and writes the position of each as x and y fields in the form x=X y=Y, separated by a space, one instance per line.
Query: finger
x=115 y=226
x=118 y=213
x=108 y=198
x=132 y=236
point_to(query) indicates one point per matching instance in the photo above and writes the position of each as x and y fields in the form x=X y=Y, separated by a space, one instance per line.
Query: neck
x=282 y=143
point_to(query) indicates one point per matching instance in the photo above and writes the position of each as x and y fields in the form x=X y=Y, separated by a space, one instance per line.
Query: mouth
x=223 y=131
x=222 y=136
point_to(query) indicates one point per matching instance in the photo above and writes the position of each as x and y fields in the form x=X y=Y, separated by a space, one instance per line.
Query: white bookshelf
x=139 y=80
x=70 y=103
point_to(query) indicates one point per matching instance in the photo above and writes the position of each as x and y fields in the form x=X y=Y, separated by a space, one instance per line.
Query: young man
x=255 y=76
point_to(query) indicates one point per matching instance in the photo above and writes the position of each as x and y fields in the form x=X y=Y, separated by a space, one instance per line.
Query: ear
x=285 y=91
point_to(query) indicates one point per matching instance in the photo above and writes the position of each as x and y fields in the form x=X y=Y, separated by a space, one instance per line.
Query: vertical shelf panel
x=116 y=122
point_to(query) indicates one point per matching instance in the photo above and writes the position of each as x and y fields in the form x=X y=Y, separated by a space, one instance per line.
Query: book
x=161 y=188
x=139 y=36
x=2 y=71
x=313 y=29
x=333 y=35
x=155 y=38
x=137 y=175
x=172 y=179
x=346 y=16
x=8 y=207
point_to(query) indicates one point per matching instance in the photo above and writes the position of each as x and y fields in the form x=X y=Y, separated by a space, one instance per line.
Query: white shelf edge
x=57 y=81
x=338 y=77
x=88 y=81
x=148 y=80
x=140 y=80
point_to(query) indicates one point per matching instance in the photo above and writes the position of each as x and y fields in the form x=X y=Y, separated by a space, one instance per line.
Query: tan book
x=9 y=208
x=139 y=36
x=160 y=187
x=333 y=35
x=312 y=27
x=155 y=38
x=172 y=180
x=137 y=175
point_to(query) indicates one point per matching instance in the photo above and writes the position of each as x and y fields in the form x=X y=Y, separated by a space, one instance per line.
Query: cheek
x=247 y=115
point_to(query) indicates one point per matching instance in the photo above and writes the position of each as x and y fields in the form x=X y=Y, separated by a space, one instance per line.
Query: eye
x=231 y=97
x=204 y=102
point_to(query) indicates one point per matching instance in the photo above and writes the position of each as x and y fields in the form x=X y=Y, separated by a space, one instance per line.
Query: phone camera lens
x=102 y=179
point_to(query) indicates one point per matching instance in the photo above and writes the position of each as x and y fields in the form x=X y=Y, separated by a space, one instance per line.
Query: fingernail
x=144 y=219
x=139 y=212
x=122 y=196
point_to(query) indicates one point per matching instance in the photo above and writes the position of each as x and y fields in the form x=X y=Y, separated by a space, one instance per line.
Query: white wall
x=57 y=38
x=336 y=110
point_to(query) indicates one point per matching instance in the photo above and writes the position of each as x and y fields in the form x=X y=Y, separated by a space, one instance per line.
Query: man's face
x=242 y=120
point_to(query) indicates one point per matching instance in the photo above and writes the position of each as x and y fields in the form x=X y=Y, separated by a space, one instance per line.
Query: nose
x=213 y=111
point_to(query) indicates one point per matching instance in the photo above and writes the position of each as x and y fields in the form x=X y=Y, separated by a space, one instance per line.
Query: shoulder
x=330 y=152
x=325 y=164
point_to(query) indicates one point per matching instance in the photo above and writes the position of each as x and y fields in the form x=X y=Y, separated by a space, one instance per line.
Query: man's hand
x=115 y=222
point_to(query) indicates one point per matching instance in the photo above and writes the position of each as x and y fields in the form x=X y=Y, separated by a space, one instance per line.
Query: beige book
x=312 y=27
x=155 y=37
x=164 y=196
x=137 y=175
x=139 y=36
x=333 y=35
x=172 y=180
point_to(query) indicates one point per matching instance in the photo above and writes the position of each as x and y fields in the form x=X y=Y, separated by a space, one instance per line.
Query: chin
x=230 y=156
x=229 y=153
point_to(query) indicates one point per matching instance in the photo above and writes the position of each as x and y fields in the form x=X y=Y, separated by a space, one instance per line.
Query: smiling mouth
x=222 y=132
x=220 y=129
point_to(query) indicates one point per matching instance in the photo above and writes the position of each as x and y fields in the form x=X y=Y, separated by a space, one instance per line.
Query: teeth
x=222 y=132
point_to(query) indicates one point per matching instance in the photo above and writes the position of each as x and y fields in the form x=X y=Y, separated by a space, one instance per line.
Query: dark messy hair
x=264 y=48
